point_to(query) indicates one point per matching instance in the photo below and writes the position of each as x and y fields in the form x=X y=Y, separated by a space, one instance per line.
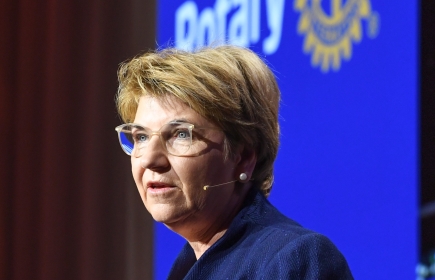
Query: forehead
x=154 y=112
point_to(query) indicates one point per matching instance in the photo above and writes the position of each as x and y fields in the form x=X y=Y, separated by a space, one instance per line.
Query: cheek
x=136 y=170
x=188 y=172
x=197 y=172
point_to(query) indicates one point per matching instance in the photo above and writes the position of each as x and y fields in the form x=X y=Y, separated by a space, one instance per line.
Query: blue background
x=348 y=162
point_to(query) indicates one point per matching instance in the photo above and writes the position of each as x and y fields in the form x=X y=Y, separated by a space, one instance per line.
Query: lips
x=159 y=187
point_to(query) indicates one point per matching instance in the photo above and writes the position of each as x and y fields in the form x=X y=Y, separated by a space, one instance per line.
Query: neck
x=199 y=247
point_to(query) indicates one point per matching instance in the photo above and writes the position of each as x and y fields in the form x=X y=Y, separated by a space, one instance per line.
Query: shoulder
x=286 y=250
x=262 y=243
x=309 y=255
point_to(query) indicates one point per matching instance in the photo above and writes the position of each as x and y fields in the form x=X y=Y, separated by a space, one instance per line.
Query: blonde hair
x=230 y=86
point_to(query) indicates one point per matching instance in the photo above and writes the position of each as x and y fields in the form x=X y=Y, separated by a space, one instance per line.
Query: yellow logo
x=329 y=37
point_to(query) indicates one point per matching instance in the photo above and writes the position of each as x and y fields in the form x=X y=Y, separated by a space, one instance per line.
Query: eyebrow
x=184 y=120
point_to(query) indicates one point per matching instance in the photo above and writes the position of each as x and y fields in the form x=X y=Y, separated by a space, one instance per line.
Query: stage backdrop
x=347 y=165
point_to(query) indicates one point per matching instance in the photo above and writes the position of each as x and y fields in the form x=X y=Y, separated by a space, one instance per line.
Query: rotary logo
x=329 y=35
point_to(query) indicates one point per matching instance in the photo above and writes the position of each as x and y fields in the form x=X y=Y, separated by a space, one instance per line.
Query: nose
x=154 y=155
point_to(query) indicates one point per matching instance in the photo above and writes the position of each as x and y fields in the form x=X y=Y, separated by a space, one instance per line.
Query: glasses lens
x=177 y=138
x=126 y=138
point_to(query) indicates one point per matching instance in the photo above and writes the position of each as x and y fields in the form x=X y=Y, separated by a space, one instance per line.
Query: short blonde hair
x=228 y=85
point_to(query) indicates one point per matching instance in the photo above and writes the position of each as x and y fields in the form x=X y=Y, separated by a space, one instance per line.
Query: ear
x=247 y=162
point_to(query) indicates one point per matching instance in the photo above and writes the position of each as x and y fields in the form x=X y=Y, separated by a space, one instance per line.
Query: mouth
x=157 y=187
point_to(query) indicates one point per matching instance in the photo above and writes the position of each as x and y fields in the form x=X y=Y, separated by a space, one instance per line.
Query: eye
x=182 y=134
x=140 y=137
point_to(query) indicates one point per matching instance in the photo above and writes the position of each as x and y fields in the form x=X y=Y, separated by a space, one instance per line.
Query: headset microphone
x=208 y=186
x=242 y=177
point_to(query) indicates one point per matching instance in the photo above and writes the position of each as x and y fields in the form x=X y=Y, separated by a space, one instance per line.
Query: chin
x=164 y=213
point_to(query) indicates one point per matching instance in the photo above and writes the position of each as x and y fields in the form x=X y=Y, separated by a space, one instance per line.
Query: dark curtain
x=68 y=206
x=427 y=129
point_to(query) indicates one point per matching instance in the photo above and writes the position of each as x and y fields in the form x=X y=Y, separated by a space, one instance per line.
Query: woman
x=208 y=170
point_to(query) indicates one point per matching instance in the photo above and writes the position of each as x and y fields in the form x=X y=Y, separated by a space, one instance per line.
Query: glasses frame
x=190 y=126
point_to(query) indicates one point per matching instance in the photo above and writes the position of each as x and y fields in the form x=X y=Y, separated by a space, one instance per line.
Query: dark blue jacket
x=261 y=243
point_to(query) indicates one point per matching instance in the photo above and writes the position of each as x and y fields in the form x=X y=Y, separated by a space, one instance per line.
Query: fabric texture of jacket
x=262 y=243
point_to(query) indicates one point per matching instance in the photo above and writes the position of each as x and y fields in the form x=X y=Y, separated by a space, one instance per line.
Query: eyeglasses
x=176 y=137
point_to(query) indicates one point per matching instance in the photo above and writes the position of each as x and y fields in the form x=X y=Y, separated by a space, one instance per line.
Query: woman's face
x=172 y=187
